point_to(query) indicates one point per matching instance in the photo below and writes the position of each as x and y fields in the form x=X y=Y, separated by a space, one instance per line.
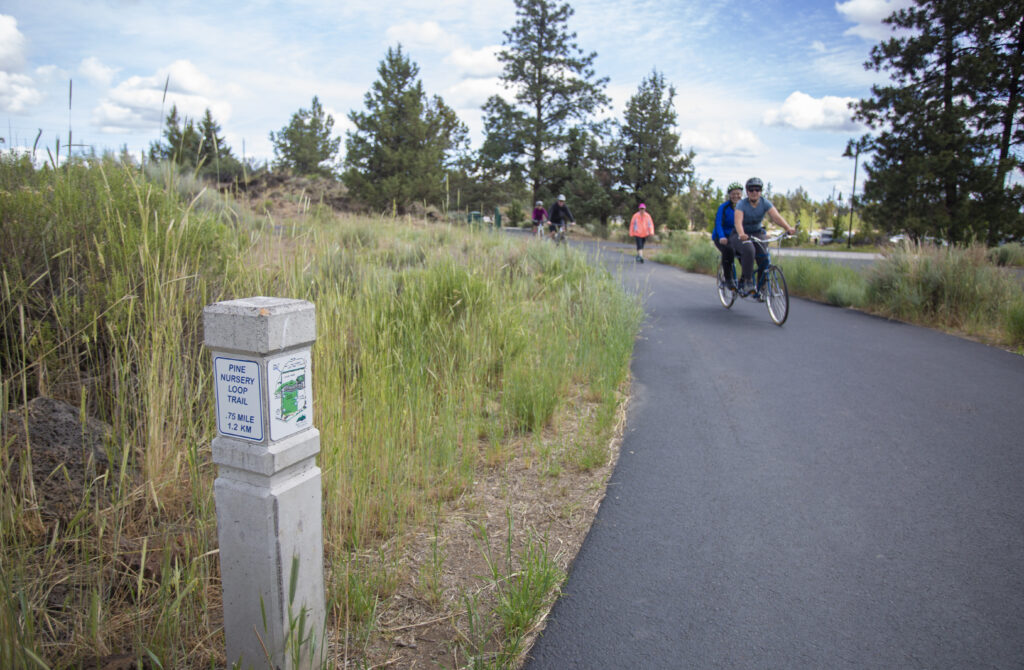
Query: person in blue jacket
x=724 y=226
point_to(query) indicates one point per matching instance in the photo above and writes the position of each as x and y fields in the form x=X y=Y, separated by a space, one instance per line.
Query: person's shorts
x=553 y=227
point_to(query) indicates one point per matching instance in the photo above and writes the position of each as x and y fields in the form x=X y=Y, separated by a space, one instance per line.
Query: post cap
x=259 y=324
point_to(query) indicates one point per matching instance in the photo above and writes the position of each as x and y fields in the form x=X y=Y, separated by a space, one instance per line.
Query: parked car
x=927 y=239
x=821 y=236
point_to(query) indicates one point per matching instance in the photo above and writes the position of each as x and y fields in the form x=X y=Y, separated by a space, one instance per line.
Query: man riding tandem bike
x=749 y=241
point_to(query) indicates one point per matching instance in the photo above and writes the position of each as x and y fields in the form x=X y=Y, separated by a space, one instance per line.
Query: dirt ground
x=527 y=499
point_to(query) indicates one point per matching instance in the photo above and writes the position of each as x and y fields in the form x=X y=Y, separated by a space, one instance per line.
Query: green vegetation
x=305 y=145
x=202 y=151
x=952 y=288
x=654 y=166
x=1008 y=254
x=525 y=585
x=557 y=92
x=434 y=345
x=398 y=153
x=946 y=141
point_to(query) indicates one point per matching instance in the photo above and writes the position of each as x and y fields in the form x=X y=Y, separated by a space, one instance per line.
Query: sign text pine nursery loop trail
x=267 y=491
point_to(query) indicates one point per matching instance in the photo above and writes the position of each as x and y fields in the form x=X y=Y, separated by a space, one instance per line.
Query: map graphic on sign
x=291 y=397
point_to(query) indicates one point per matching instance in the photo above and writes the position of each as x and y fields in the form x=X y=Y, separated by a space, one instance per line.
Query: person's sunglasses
x=754 y=189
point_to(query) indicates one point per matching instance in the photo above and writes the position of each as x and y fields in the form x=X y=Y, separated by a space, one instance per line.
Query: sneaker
x=730 y=284
x=746 y=288
x=638 y=259
x=641 y=259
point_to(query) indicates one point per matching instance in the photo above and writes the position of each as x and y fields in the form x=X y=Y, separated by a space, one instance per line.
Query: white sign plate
x=290 y=385
x=239 y=398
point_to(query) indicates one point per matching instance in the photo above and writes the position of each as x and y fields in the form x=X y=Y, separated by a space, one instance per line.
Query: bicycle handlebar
x=781 y=236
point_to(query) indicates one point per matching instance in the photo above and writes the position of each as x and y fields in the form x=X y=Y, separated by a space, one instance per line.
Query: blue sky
x=761 y=87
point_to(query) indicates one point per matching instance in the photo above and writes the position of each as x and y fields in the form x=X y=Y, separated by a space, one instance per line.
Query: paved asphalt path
x=840 y=492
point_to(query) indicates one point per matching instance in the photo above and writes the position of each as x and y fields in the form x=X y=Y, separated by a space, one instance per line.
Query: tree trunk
x=949 y=122
x=1014 y=65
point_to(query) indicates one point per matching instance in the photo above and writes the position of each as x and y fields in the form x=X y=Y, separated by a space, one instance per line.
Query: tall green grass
x=957 y=288
x=691 y=252
x=432 y=344
x=1010 y=254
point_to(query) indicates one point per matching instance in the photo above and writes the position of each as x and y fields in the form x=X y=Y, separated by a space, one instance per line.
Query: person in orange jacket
x=641 y=226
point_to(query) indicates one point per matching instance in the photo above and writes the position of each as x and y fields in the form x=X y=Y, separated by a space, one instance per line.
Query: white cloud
x=713 y=143
x=481 y=62
x=803 y=112
x=17 y=93
x=342 y=124
x=12 y=45
x=95 y=71
x=868 y=15
x=186 y=78
x=428 y=34
x=136 y=103
x=472 y=93
x=50 y=73
x=818 y=46
x=476 y=63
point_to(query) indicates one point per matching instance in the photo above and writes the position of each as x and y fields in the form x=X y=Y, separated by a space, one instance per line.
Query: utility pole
x=853 y=150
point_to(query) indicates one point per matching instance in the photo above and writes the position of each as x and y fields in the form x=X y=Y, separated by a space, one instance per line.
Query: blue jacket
x=724 y=220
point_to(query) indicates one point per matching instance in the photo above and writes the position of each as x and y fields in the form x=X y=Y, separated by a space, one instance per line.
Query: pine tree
x=215 y=157
x=404 y=142
x=182 y=141
x=305 y=145
x=998 y=39
x=936 y=167
x=654 y=168
x=584 y=176
x=555 y=90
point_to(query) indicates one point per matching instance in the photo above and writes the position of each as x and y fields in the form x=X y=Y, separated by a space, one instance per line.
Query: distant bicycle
x=771 y=284
x=540 y=231
x=559 y=235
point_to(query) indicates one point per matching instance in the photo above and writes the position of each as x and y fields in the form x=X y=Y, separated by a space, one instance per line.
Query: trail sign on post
x=267 y=491
x=239 y=397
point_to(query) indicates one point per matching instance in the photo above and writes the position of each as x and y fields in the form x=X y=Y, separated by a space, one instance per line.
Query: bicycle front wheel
x=725 y=294
x=777 y=295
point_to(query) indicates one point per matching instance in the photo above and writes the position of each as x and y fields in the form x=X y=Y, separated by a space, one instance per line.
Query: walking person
x=724 y=225
x=641 y=226
x=750 y=213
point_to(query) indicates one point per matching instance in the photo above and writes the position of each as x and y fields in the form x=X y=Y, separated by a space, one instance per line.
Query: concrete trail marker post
x=267 y=491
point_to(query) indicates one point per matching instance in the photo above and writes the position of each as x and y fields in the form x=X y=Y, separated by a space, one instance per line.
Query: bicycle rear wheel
x=777 y=295
x=725 y=294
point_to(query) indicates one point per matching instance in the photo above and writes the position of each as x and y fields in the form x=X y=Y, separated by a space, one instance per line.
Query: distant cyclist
x=749 y=215
x=559 y=216
x=641 y=226
x=540 y=215
x=724 y=225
